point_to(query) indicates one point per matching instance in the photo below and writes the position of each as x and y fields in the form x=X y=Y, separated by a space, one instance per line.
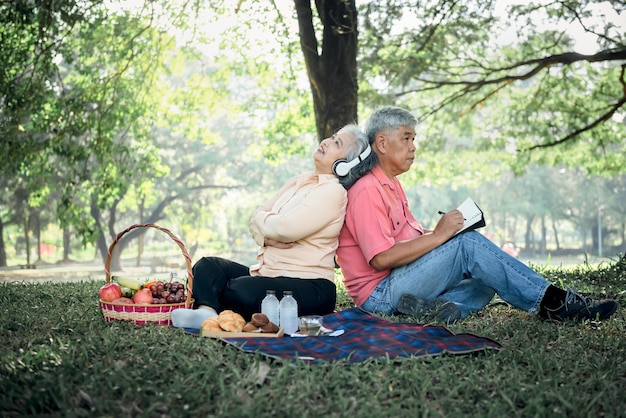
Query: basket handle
x=107 y=265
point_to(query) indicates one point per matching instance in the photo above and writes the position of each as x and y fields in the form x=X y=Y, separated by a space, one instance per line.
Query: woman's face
x=330 y=150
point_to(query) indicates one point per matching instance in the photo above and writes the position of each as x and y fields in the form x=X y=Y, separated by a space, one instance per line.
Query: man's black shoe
x=580 y=307
x=439 y=309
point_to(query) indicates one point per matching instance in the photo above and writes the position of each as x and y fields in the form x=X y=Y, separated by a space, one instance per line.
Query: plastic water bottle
x=270 y=306
x=288 y=313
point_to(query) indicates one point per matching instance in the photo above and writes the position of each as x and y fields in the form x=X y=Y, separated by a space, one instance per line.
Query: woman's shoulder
x=329 y=180
x=331 y=184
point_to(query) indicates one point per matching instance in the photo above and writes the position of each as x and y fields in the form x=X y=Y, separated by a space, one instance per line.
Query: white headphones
x=343 y=167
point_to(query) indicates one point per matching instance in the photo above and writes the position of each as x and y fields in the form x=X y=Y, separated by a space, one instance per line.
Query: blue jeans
x=468 y=270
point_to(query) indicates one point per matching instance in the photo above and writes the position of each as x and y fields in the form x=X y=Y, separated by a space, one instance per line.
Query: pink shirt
x=377 y=217
x=309 y=210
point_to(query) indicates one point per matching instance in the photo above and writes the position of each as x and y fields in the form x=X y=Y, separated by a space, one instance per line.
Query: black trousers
x=224 y=284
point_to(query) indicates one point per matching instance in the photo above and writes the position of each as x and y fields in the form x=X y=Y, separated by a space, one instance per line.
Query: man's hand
x=277 y=244
x=404 y=252
x=449 y=224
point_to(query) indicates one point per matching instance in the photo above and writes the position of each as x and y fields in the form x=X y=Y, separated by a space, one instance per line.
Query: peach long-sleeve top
x=309 y=211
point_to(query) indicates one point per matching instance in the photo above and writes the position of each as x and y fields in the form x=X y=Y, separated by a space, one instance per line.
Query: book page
x=471 y=213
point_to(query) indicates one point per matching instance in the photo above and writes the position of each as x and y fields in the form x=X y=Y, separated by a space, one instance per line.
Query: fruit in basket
x=166 y=292
x=150 y=284
x=134 y=283
x=110 y=291
x=128 y=292
x=124 y=300
x=143 y=296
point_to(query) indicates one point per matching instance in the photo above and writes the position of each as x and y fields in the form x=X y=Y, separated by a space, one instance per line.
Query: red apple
x=124 y=300
x=110 y=291
x=143 y=296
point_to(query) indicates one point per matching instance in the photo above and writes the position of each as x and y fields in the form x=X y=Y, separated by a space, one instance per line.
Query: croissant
x=230 y=321
x=210 y=324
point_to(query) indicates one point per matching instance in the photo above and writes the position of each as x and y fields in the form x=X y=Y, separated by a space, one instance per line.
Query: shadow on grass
x=59 y=358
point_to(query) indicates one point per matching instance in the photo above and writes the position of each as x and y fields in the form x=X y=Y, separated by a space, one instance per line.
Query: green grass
x=59 y=358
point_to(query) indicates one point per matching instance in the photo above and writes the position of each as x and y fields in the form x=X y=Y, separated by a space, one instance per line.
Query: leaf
x=258 y=375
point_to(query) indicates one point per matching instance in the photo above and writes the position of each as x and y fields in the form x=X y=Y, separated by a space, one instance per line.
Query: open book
x=474 y=217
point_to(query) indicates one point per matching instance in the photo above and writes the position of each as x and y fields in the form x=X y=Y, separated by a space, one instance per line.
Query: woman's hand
x=277 y=244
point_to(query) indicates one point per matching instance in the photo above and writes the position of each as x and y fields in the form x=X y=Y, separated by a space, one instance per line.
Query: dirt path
x=70 y=272
x=76 y=272
x=53 y=272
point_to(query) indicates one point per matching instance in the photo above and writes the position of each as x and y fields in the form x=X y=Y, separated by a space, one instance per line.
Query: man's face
x=399 y=150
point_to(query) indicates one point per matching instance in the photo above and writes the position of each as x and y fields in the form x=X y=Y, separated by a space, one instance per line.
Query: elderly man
x=391 y=264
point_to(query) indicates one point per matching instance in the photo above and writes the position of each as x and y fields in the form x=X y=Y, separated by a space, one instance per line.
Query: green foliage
x=114 y=113
x=599 y=151
x=286 y=132
x=27 y=62
x=88 y=138
x=496 y=75
x=59 y=357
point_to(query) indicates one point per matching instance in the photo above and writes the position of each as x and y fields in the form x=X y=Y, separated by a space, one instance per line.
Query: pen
x=443 y=213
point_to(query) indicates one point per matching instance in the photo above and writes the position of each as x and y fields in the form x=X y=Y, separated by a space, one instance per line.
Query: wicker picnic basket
x=140 y=314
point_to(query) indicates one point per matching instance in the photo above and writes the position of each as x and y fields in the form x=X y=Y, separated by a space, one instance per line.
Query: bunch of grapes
x=168 y=292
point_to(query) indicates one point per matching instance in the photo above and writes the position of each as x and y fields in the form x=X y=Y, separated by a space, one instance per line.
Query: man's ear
x=380 y=143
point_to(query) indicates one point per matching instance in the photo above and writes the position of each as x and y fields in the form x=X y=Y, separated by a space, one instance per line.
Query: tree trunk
x=101 y=244
x=544 y=243
x=38 y=234
x=27 y=237
x=556 y=235
x=332 y=71
x=66 y=244
x=583 y=234
x=512 y=229
x=594 y=238
x=623 y=245
x=154 y=217
x=140 y=239
x=528 y=235
x=3 y=251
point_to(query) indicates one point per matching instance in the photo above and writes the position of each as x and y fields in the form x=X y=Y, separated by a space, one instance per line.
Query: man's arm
x=404 y=252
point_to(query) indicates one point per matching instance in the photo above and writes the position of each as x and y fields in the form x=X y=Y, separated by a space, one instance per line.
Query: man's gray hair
x=388 y=118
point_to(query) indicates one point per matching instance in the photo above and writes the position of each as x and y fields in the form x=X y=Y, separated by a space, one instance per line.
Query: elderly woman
x=297 y=232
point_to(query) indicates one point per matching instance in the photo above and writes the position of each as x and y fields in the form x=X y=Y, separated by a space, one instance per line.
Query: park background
x=189 y=114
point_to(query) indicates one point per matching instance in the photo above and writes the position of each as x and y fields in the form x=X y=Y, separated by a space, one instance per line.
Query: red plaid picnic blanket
x=366 y=337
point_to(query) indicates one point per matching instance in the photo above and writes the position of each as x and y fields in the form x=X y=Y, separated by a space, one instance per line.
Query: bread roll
x=259 y=319
x=250 y=327
x=230 y=321
x=210 y=324
x=270 y=328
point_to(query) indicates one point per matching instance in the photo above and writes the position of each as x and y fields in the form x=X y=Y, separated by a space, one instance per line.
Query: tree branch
x=538 y=64
x=603 y=118
x=308 y=39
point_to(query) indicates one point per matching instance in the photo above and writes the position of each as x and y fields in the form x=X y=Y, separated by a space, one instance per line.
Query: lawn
x=59 y=358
